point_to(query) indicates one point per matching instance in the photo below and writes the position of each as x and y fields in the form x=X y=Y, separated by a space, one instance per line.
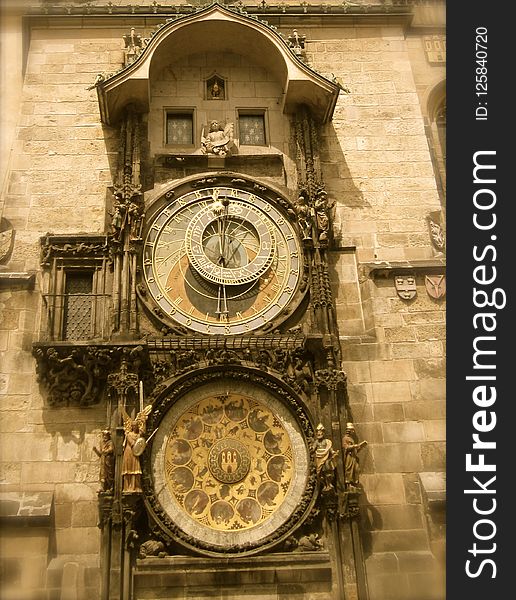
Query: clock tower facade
x=234 y=318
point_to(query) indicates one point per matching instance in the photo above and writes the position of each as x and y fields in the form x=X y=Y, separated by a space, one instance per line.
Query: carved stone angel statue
x=134 y=444
x=218 y=140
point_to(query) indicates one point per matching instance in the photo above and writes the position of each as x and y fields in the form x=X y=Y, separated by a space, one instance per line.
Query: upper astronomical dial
x=230 y=242
x=221 y=260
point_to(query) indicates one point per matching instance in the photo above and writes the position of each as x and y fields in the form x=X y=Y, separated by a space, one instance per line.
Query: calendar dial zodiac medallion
x=230 y=464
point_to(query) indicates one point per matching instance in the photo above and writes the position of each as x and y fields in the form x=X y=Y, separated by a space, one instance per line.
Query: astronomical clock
x=229 y=467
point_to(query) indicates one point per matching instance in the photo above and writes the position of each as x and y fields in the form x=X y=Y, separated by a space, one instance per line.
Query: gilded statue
x=324 y=459
x=134 y=444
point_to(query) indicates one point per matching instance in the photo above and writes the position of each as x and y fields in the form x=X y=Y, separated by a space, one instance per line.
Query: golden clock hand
x=222 y=299
x=223 y=224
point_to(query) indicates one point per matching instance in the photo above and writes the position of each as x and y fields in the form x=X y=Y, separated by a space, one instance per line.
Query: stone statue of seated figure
x=218 y=140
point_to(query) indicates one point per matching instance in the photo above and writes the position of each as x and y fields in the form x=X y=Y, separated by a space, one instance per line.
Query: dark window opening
x=78 y=305
x=251 y=129
x=179 y=129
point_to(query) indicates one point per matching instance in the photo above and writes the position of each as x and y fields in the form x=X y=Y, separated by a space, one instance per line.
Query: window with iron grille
x=179 y=129
x=78 y=305
x=251 y=129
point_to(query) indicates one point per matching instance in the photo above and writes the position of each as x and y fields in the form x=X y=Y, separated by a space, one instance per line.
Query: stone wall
x=378 y=168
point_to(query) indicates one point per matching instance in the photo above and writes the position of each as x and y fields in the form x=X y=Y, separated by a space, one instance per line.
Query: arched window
x=436 y=131
x=440 y=122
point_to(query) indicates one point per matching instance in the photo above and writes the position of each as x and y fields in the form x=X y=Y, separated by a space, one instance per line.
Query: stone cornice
x=384 y=268
x=149 y=9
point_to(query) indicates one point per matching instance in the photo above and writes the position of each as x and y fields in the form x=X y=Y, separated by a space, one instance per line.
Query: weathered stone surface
x=384 y=489
x=408 y=431
x=388 y=412
x=402 y=540
x=397 y=458
x=396 y=391
x=434 y=456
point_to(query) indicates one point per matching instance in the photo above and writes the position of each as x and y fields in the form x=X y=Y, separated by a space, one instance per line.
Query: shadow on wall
x=370 y=520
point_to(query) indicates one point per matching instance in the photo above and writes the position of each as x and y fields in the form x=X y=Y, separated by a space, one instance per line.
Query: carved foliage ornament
x=296 y=366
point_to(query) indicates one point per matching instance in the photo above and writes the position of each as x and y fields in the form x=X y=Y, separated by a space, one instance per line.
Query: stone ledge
x=10 y=279
x=385 y=268
x=26 y=508
x=179 y=571
x=433 y=485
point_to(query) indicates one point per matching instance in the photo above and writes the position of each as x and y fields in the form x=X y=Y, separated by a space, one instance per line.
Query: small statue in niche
x=135 y=215
x=106 y=453
x=216 y=90
x=131 y=468
x=301 y=373
x=218 y=140
x=324 y=459
x=351 y=450
x=310 y=543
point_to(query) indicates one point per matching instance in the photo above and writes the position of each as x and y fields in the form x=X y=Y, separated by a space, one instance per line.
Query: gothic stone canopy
x=217 y=29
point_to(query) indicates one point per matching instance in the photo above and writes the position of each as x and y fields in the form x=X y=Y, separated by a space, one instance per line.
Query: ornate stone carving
x=215 y=88
x=217 y=140
x=133 y=45
x=330 y=378
x=6 y=239
x=53 y=246
x=295 y=365
x=72 y=376
x=297 y=44
x=322 y=207
x=436 y=233
x=304 y=216
x=152 y=548
x=77 y=375
x=435 y=286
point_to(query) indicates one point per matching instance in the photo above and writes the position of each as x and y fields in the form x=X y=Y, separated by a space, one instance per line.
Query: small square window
x=180 y=129
x=251 y=128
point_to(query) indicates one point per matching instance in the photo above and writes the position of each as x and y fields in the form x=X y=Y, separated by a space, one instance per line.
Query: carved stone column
x=126 y=226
